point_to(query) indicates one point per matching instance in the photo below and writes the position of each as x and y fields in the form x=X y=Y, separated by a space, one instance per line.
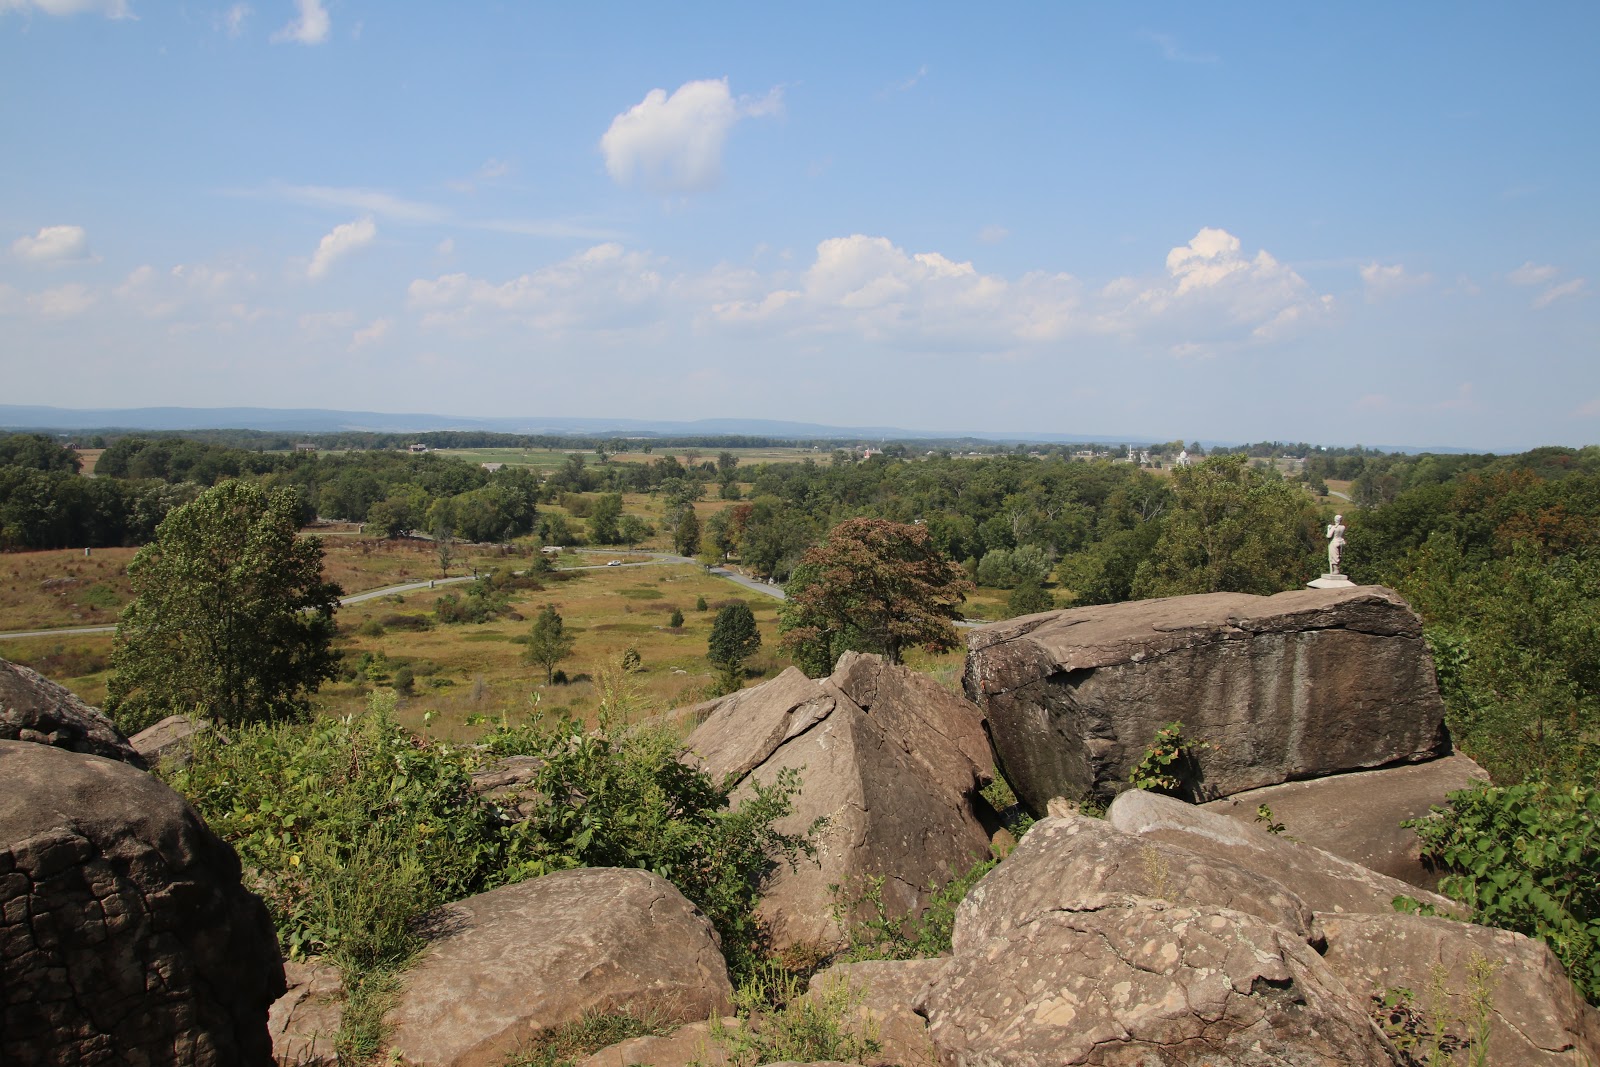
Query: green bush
x=875 y=935
x=351 y=829
x=1169 y=765
x=1525 y=858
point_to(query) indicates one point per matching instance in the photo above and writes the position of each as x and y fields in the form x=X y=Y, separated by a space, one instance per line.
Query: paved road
x=655 y=559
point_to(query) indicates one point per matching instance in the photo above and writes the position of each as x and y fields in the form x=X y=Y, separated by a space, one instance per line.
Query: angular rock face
x=1296 y=685
x=33 y=708
x=1357 y=816
x=526 y=957
x=1533 y=1015
x=126 y=935
x=1324 y=881
x=171 y=738
x=890 y=759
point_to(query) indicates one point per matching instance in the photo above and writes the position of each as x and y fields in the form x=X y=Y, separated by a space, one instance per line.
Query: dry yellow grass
x=40 y=590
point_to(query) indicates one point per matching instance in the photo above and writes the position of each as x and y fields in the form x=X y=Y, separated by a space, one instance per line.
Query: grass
x=62 y=587
x=564 y=1045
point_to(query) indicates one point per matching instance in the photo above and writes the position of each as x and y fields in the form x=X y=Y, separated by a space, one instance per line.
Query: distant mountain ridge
x=324 y=420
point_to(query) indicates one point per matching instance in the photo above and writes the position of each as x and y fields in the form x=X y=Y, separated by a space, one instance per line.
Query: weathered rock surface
x=508 y=784
x=1535 y=1016
x=692 y=1043
x=1071 y=862
x=1140 y=982
x=33 y=708
x=305 y=1020
x=171 y=738
x=1327 y=883
x=893 y=762
x=1296 y=685
x=125 y=935
x=1358 y=816
x=511 y=962
x=883 y=992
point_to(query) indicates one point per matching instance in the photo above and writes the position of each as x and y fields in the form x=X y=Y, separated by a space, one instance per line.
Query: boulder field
x=1165 y=933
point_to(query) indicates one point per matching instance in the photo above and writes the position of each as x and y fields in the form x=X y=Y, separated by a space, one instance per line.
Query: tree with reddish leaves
x=872 y=586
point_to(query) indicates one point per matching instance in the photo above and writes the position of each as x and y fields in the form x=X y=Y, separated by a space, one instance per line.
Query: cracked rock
x=33 y=708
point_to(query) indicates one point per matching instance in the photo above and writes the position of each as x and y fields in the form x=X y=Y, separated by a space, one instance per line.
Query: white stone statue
x=1335 y=537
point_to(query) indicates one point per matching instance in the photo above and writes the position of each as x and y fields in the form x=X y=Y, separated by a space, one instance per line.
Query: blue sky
x=1350 y=223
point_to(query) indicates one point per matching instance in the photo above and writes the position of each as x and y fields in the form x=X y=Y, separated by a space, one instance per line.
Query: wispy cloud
x=1384 y=280
x=908 y=84
x=1557 y=292
x=1531 y=273
x=232 y=21
x=1173 y=52
x=993 y=235
x=391 y=207
x=310 y=26
x=111 y=9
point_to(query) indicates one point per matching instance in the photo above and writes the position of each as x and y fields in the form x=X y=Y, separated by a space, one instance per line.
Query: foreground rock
x=1358 y=816
x=1324 y=881
x=1297 y=685
x=692 y=1043
x=125 y=935
x=892 y=761
x=33 y=708
x=305 y=1021
x=1512 y=984
x=520 y=959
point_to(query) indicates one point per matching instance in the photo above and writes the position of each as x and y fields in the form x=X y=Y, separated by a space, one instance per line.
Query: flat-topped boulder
x=1298 y=685
x=890 y=760
x=33 y=708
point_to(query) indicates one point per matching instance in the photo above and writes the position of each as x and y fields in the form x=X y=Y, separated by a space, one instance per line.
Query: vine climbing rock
x=1298 y=685
x=33 y=708
x=125 y=935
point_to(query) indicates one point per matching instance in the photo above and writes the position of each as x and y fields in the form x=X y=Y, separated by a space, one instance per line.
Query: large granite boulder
x=1070 y=862
x=125 y=935
x=1455 y=970
x=509 y=963
x=1358 y=816
x=1296 y=685
x=1324 y=881
x=1136 y=982
x=33 y=708
x=892 y=762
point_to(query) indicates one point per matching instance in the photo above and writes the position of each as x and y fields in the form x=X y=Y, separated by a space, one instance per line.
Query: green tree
x=631 y=529
x=605 y=519
x=548 y=641
x=231 y=617
x=734 y=639
x=686 y=531
x=873 y=586
x=1029 y=598
x=1231 y=530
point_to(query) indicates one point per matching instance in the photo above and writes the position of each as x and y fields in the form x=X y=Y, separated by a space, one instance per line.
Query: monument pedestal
x=1332 y=581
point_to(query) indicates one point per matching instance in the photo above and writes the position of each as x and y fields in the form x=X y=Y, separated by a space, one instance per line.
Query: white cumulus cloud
x=339 y=242
x=606 y=287
x=310 y=26
x=53 y=244
x=673 y=144
x=370 y=334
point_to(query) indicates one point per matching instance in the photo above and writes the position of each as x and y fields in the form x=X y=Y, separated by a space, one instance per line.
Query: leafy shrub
x=370 y=628
x=875 y=935
x=778 y=1025
x=1169 y=764
x=396 y=621
x=1524 y=858
x=675 y=620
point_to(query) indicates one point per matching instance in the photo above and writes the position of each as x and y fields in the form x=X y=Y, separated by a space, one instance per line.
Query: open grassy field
x=40 y=590
x=548 y=459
